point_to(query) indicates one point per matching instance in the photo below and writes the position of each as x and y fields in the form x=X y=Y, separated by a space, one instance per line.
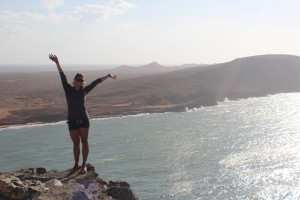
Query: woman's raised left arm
x=99 y=80
x=108 y=76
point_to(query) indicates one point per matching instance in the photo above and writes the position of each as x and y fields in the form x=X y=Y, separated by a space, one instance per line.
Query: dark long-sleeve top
x=76 y=98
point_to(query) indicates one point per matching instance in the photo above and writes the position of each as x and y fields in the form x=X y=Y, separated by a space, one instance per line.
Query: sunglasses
x=79 y=80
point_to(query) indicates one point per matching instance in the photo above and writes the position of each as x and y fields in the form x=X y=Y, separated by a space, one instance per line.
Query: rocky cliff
x=41 y=184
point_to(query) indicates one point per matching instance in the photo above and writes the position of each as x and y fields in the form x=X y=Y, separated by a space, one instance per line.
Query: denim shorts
x=77 y=124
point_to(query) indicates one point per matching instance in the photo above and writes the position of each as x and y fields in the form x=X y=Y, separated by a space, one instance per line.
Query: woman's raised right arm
x=63 y=77
x=55 y=59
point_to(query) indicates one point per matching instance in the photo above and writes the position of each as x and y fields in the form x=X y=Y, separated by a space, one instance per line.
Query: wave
x=15 y=127
x=123 y=116
x=186 y=109
x=227 y=101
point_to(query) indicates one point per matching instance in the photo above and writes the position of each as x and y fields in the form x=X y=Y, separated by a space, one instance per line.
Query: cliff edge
x=40 y=184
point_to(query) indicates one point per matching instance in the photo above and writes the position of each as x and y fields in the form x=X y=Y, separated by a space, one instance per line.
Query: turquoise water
x=247 y=149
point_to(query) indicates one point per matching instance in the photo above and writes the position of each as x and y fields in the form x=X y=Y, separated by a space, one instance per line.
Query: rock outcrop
x=40 y=184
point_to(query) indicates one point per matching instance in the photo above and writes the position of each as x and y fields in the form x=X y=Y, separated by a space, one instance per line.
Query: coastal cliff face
x=40 y=184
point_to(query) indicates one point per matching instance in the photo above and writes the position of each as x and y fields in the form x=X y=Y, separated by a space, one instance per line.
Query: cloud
x=12 y=22
x=20 y=18
x=58 y=18
x=130 y=26
x=121 y=4
x=24 y=22
x=52 y=4
x=10 y=30
x=102 y=12
x=10 y=17
x=89 y=11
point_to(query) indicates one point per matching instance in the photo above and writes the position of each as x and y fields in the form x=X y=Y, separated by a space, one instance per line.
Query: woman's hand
x=112 y=76
x=53 y=58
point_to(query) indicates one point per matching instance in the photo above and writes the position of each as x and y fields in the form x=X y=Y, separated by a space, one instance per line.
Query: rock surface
x=40 y=184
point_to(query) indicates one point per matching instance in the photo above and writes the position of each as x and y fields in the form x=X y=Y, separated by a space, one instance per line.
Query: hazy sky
x=142 y=31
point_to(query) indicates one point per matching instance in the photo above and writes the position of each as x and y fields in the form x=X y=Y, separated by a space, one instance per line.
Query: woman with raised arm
x=78 y=119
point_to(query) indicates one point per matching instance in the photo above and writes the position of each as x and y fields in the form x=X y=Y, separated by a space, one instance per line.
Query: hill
x=126 y=72
x=32 y=98
x=205 y=86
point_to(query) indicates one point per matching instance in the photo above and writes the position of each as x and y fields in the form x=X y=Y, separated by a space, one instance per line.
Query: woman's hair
x=77 y=76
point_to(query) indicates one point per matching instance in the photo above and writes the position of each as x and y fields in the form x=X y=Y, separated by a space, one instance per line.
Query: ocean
x=245 y=149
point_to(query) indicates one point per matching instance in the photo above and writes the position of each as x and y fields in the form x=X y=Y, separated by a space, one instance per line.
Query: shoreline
x=112 y=114
x=159 y=110
x=25 y=125
x=133 y=114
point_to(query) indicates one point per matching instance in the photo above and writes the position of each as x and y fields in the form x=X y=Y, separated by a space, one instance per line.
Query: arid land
x=38 y=97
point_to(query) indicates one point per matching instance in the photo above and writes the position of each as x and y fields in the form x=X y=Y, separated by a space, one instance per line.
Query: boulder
x=41 y=184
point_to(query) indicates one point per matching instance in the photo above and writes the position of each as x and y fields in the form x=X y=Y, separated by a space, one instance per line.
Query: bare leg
x=76 y=147
x=84 y=133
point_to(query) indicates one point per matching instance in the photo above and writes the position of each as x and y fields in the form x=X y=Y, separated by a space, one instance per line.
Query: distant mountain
x=149 y=69
x=153 y=67
x=189 y=65
x=128 y=72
